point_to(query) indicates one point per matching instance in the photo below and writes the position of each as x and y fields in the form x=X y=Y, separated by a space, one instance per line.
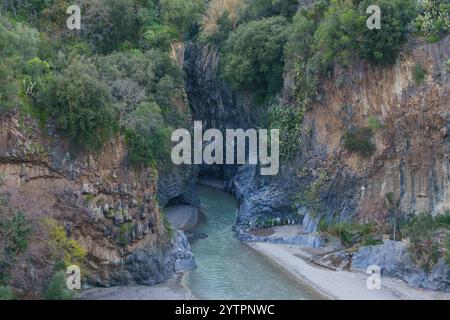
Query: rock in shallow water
x=149 y=267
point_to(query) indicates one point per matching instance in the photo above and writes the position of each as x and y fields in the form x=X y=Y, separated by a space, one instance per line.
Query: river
x=227 y=267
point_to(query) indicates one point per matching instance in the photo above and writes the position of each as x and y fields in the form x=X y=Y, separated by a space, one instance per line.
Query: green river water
x=230 y=269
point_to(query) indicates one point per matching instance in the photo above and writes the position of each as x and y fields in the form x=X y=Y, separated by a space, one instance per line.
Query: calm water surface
x=228 y=268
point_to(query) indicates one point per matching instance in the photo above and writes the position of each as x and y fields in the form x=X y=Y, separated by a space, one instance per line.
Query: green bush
x=253 y=59
x=146 y=87
x=374 y=124
x=224 y=28
x=310 y=197
x=18 y=44
x=57 y=288
x=80 y=105
x=301 y=57
x=6 y=293
x=359 y=140
x=107 y=25
x=422 y=230
x=289 y=122
x=69 y=250
x=147 y=136
x=433 y=20
x=180 y=14
x=124 y=234
x=335 y=32
x=447 y=250
x=354 y=233
x=257 y=9
x=14 y=234
x=37 y=76
x=160 y=36
x=167 y=225
x=382 y=46
x=334 y=39
x=419 y=73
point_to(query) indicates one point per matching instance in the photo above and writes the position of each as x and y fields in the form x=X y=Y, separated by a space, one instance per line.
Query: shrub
x=6 y=293
x=80 y=106
x=124 y=234
x=57 y=288
x=419 y=73
x=253 y=59
x=359 y=141
x=3 y=177
x=310 y=196
x=38 y=75
x=18 y=44
x=374 y=124
x=382 y=46
x=160 y=36
x=257 y=9
x=167 y=225
x=180 y=14
x=69 y=250
x=301 y=57
x=422 y=230
x=354 y=233
x=107 y=25
x=433 y=20
x=335 y=35
x=137 y=77
x=15 y=232
x=219 y=19
x=289 y=122
x=447 y=250
x=146 y=135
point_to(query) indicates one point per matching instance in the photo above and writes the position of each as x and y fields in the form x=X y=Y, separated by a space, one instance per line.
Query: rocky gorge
x=109 y=209
x=117 y=213
x=411 y=158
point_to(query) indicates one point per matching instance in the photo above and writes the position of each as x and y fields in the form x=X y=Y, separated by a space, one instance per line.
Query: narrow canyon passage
x=229 y=268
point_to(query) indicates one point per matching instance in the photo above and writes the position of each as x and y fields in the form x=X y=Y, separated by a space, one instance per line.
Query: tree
x=109 y=24
x=18 y=43
x=253 y=57
x=433 y=20
x=383 y=46
x=180 y=14
x=57 y=289
x=334 y=40
x=80 y=106
x=220 y=18
x=257 y=9
x=147 y=136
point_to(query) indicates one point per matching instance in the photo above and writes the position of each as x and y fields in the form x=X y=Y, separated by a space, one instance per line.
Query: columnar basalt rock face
x=412 y=144
x=107 y=207
x=412 y=147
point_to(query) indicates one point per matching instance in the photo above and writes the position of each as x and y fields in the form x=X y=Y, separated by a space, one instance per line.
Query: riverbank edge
x=174 y=288
x=339 y=285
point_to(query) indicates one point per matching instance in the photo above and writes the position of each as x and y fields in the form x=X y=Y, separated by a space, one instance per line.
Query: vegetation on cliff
x=260 y=41
x=100 y=81
x=116 y=77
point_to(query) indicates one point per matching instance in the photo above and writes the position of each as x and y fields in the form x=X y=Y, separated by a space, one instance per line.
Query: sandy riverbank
x=341 y=285
x=173 y=289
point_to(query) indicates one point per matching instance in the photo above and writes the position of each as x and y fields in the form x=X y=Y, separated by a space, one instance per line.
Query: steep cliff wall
x=108 y=208
x=412 y=143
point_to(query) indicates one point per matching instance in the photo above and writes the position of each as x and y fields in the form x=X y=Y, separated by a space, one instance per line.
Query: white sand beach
x=341 y=285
